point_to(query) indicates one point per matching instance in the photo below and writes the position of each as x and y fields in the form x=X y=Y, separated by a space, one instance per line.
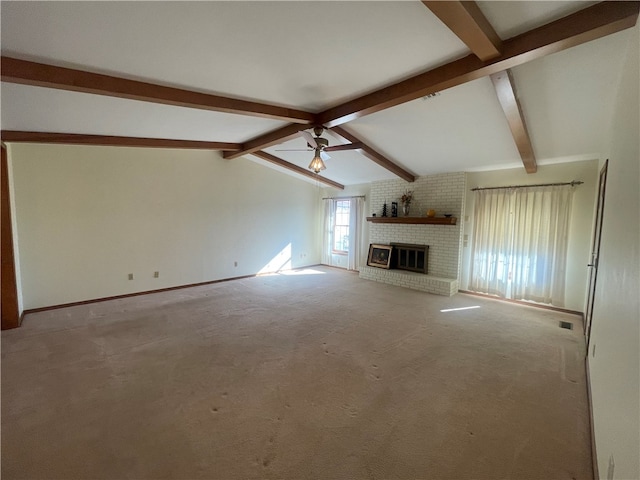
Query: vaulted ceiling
x=428 y=87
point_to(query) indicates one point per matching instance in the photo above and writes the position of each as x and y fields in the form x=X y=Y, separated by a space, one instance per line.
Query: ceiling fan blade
x=324 y=156
x=348 y=146
x=309 y=138
x=294 y=149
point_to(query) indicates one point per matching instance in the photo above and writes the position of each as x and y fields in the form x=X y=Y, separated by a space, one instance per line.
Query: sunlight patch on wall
x=282 y=261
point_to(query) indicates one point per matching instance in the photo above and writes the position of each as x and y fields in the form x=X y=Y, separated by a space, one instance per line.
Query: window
x=341 y=227
x=342 y=232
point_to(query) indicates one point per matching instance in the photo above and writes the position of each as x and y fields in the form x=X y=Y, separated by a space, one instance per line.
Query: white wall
x=580 y=231
x=86 y=217
x=615 y=334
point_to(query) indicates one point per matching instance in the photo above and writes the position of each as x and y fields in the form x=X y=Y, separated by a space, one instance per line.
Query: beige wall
x=86 y=217
x=614 y=358
x=580 y=232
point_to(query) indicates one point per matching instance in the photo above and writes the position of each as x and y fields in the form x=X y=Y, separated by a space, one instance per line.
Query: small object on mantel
x=447 y=215
x=431 y=213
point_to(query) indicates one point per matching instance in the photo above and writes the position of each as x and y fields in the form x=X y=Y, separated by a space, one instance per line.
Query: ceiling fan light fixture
x=317 y=164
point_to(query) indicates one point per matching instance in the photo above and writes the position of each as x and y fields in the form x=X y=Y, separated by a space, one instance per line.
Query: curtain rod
x=573 y=183
x=343 y=198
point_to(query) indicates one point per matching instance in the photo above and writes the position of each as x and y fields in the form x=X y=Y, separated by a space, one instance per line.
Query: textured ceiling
x=311 y=56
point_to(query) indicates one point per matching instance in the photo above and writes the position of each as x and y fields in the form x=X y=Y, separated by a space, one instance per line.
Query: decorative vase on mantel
x=406 y=198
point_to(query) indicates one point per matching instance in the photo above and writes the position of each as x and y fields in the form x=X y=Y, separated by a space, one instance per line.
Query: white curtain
x=356 y=216
x=356 y=219
x=327 y=230
x=491 y=242
x=520 y=243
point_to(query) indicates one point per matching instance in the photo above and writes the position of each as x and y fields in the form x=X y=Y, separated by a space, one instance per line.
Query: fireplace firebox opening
x=413 y=258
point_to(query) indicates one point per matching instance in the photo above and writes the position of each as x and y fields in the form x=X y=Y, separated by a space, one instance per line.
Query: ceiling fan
x=321 y=146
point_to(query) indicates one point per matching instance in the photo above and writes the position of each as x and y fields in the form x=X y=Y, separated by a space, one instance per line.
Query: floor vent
x=567 y=325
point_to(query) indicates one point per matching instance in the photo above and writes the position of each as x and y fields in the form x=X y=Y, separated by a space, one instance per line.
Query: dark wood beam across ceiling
x=589 y=24
x=375 y=156
x=467 y=21
x=274 y=137
x=108 y=140
x=23 y=72
x=295 y=168
x=586 y=25
x=503 y=83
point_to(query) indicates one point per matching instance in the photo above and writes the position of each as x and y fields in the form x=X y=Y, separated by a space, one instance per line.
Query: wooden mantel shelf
x=414 y=220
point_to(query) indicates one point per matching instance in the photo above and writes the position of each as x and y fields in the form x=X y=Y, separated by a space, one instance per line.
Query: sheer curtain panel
x=356 y=217
x=520 y=242
x=491 y=242
x=327 y=229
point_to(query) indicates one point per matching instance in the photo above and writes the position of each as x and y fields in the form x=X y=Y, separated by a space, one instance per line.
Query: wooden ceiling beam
x=588 y=24
x=295 y=168
x=24 y=72
x=274 y=137
x=503 y=83
x=468 y=23
x=109 y=140
x=375 y=156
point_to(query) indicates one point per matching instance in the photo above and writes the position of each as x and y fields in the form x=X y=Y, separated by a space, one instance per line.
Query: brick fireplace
x=443 y=193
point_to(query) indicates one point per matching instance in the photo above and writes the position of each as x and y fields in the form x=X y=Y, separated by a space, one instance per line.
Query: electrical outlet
x=235 y=264
x=612 y=466
x=131 y=276
x=156 y=274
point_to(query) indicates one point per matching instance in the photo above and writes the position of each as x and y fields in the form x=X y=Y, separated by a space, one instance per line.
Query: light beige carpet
x=295 y=376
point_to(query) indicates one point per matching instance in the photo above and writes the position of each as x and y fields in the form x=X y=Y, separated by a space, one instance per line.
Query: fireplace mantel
x=415 y=220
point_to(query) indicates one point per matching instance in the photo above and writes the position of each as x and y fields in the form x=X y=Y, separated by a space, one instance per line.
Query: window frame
x=335 y=251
